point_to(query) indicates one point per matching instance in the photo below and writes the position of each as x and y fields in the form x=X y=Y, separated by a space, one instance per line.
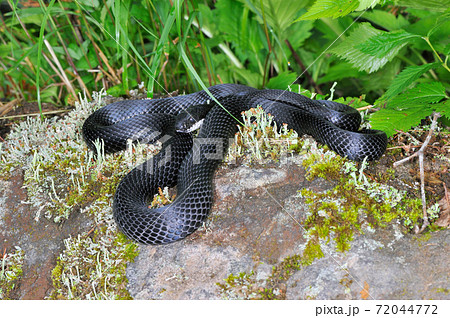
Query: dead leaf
x=432 y=178
x=444 y=204
x=101 y=177
x=365 y=292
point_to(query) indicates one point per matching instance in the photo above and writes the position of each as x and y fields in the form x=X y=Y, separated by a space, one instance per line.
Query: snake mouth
x=189 y=126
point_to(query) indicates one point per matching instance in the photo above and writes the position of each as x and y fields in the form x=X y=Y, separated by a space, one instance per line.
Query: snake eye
x=186 y=123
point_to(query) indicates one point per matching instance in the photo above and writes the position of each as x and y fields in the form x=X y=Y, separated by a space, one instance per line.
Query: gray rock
x=391 y=268
x=256 y=223
x=183 y=271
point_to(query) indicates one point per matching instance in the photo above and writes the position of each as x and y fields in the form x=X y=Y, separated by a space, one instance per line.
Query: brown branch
x=302 y=66
x=420 y=153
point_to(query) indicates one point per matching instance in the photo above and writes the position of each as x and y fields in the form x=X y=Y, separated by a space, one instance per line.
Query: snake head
x=191 y=118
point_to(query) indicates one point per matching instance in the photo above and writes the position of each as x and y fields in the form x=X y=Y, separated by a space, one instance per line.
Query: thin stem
x=436 y=53
x=421 y=58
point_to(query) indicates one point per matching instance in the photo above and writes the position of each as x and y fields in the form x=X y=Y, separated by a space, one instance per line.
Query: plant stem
x=436 y=53
x=302 y=66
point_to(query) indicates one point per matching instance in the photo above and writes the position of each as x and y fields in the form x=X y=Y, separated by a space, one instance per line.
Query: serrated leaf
x=406 y=78
x=364 y=4
x=355 y=102
x=443 y=108
x=386 y=42
x=390 y=120
x=364 y=62
x=423 y=93
x=242 y=32
x=330 y=8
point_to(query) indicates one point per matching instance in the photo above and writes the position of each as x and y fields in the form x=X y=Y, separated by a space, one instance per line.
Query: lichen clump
x=62 y=176
x=10 y=271
x=260 y=138
x=88 y=269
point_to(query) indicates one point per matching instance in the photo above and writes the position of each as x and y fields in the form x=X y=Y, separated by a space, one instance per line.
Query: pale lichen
x=261 y=139
x=62 y=176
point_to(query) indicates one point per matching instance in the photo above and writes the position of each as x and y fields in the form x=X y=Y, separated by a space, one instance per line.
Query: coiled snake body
x=190 y=164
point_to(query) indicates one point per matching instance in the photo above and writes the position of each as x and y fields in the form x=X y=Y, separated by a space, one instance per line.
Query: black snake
x=190 y=163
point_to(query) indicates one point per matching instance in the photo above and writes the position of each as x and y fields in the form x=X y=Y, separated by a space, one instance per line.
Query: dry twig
x=420 y=153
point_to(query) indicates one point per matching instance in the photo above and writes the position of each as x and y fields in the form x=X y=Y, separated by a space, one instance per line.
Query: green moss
x=339 y=212
x=318 y=168
x=92 y=266
x=442 y=290
x=240 y=286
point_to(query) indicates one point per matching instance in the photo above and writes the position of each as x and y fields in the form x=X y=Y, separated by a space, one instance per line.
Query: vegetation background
x=390 y=53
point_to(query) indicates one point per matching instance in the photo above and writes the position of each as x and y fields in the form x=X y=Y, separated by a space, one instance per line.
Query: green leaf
x=387 y=20
x=90 y=3
x=49 y=94
x=386 y=42
x=282 y=80
x=117 y=90
x=407 y=110
x=381 y=79
x=421 y=94
x=428 y=23
x=443 y=108
x=446 y=50
x=441 y=20
x=339 y=71
x=349 y=49
x=236 y=27
x=83 y=64
x=75 y=51
x=390 y=120
x=298 y=32
x=330 y=8
x=31 y=16
x=248 y=77
x=429 y=5
x=230 y=14
x=406 y=78
x=279 y=14
x=364 y=4
x=355 y=102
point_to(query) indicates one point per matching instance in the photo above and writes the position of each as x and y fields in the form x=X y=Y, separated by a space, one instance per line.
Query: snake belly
x=190 y=163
